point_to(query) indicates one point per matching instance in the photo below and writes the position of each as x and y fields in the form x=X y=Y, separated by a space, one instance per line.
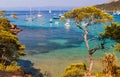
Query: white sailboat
x=29 y=18
x=56 y=23
x=50 y=11
x=55 y=16
x=60 y=14
x=39 y=14
x=51 y=20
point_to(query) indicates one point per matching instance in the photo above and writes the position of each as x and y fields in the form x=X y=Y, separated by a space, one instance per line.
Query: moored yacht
x=29 y=18
x=55 y=16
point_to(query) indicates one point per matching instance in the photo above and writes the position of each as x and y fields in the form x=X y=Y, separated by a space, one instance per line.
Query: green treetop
x=89 y=14
x=4 y=24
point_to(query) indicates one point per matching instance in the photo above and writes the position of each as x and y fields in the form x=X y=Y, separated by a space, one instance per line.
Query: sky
x=48 y=3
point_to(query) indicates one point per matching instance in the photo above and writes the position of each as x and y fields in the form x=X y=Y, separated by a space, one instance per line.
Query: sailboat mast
x=30 y=13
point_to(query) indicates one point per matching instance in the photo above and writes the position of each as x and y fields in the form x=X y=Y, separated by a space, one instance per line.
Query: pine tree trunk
x=91 y=64
x=88 y=48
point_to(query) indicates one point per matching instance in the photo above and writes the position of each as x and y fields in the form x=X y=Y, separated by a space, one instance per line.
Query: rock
x=14 y=29
x=12 y=74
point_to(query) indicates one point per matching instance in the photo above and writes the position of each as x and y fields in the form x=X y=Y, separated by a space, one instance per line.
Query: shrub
x=75 y=70
x=110 y=67
x=10 y=68
x=108 y=61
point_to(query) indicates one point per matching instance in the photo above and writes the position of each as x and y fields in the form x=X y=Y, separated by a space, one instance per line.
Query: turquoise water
x=40 y=36
x=53 y=44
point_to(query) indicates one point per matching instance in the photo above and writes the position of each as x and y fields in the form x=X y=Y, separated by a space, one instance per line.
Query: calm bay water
x=51 y=46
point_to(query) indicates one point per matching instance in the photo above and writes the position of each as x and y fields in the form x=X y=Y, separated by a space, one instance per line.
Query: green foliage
x=117 y=47
x=10 y=68
x=88 y=13
x=10 y=47
x=4 y=24
x=109 y=61
x=75 y=70
x=112 y=32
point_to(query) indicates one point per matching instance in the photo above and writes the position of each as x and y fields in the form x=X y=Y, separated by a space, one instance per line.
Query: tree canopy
x=112 y=32
x=4 y=24
x=10 y=47
x=89 y=14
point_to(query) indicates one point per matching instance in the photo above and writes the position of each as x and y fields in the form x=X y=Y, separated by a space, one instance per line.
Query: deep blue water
x=40 y=36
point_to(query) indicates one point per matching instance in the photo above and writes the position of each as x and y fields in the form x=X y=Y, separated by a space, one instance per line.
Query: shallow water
x=51 y=47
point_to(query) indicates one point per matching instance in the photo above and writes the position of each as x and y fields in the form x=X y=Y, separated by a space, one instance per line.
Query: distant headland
x=112 y=5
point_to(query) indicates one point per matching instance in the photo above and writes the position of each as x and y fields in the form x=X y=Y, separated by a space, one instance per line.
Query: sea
x=52 y=46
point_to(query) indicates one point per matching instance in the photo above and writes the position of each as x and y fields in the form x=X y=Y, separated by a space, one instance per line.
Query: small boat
x=50 y=11
x=60 y=15
x=29 y=18
x=67 y=26
x=56 y=23
x=39 y=14
x=55 y=16
x=51 y=21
